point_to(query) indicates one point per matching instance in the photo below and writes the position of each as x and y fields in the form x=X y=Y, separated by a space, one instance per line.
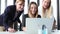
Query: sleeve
x=5 y=18
x=19 y=20
x=23 y=21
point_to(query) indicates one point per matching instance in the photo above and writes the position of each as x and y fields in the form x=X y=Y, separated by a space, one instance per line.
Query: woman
x=47 y=11
x=32 y=13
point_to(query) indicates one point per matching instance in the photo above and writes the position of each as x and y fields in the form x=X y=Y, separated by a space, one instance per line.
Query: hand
x=11 y=30
x=24 y=28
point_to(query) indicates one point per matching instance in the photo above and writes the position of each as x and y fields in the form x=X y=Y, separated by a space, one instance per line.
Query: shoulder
x=11 y=7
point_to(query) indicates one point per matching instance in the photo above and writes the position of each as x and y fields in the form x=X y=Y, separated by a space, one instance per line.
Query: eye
x=31 y=7
x=45 y=1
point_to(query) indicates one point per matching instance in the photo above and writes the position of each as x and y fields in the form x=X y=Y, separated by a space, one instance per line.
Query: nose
x=22 y=6
x=46 y=3
x=33 y=9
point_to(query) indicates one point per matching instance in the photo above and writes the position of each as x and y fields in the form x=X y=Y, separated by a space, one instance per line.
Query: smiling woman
x=32 y=13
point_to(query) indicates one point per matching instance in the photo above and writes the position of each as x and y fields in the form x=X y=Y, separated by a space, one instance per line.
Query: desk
x=21 y=32
x=56 y=32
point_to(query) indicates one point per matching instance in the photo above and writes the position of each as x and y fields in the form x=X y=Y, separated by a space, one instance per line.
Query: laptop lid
x=34 y=24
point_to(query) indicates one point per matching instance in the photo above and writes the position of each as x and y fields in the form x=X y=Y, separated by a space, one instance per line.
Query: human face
x=33 y=9
x=19 y=6
x=46 y=3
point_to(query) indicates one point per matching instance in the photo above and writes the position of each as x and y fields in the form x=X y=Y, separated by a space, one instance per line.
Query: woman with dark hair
x=32 y=13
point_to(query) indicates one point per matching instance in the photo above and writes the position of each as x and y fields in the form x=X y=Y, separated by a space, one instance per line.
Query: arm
x=23 y=21
x=5 y=18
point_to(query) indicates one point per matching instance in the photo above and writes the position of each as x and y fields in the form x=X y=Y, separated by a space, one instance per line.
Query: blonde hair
x=49 y=4
x=49 y=12
x=29 y=12
x=20 y=0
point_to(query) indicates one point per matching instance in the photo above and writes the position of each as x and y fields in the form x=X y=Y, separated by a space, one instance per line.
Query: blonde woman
x=47 y=10
x=32 y=13
x=12 y=14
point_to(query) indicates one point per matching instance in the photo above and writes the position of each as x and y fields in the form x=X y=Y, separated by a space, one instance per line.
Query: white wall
x=3 y=6
x=10 y=2
x=26 y=7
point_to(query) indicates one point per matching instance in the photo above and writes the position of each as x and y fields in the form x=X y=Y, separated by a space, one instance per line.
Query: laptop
x=34 y=24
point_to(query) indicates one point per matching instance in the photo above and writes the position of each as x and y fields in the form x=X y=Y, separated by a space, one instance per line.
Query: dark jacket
x=24 y=19
x=1 y=20
x=9 y=15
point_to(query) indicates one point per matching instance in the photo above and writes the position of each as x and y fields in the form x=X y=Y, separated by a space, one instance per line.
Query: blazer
x=9 y=15
x=1 y=20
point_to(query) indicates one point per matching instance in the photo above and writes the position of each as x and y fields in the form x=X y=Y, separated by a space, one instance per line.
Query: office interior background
x=5 y=3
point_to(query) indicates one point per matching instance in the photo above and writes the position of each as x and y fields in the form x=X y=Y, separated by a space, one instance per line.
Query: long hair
x=49 y=11
x=29 y=12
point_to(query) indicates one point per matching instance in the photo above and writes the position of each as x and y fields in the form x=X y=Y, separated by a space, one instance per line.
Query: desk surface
x=21 y=32
x=56 y=32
